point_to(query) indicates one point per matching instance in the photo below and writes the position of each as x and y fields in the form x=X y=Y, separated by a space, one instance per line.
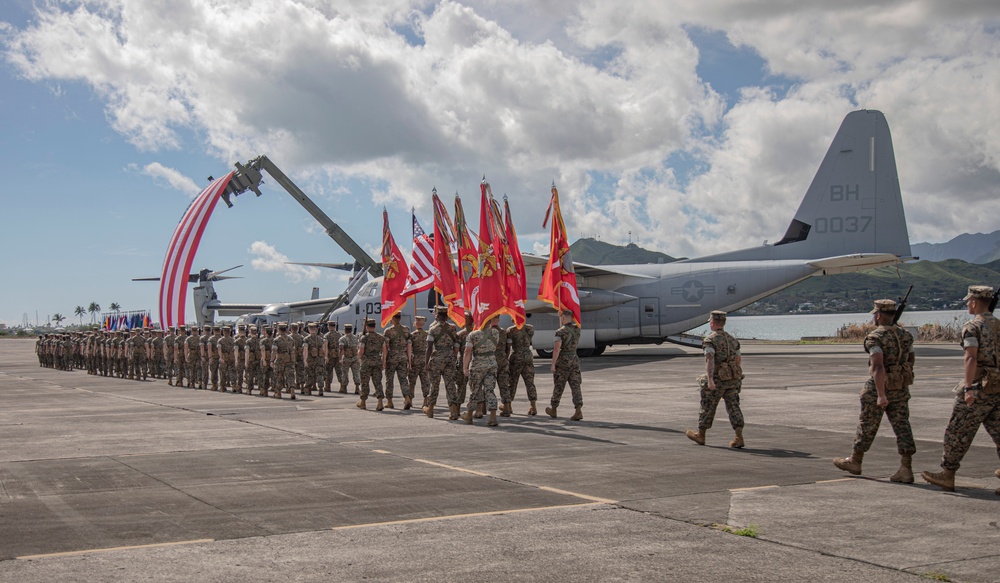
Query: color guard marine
x=887 y=391
x=977 y=397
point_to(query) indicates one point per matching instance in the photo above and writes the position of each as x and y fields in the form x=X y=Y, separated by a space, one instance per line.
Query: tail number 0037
x=842 y=224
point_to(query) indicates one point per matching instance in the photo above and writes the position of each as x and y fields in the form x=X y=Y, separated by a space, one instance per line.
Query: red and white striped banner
x=180 y=253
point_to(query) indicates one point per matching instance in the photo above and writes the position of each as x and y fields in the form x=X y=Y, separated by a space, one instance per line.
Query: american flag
x=421 y=263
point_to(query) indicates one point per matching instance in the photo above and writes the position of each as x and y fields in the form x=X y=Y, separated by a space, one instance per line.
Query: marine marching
x=487 y=281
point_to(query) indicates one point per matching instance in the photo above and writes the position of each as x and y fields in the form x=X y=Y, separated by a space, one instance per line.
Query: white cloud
x=397 y=97
x=268 y=258
x=173 y=178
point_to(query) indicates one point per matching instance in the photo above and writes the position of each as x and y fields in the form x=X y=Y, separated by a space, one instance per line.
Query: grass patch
x=937 y=576
x=750 y=530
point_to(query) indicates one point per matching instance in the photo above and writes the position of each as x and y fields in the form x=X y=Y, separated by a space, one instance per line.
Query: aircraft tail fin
x=853 y=204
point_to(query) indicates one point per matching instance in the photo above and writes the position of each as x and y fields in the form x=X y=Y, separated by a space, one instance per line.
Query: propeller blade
x=341 y=266
x=145 y=279
x=215 y=274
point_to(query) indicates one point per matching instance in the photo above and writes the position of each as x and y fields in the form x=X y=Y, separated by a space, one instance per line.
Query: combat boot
x=505 y=409
x=480 y=410
x=551 y=412
x=407 y=403
x=452 y=412
x=492 y=421
x=429 y=410
x=467 y=416
x=380 y=406
x=945 y=479
x=850 y=464
x=696 y=436
x=320 y=393
x=343 y=390
x=361 y=404
x=905 y=472
x=577 y=415
x=531 y=410
x=276 y=394
x=215 y=386
x=389 y=404
x=737 y=442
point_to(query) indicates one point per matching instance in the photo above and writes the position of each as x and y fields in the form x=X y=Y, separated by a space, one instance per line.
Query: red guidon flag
x=446 y=279
x=559 y=280
x=517 y=283
x=394 y=268
x=421 y=262
x=468 y=259
x=181 y=250
x=490 y=300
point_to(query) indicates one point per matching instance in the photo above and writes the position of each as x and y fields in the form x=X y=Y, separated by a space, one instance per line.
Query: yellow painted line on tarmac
x=469 y=515
x=129 y=548
x=383 y=451
x=593 y=499
x=754 y=488
x=456 y=468
x=836 y=480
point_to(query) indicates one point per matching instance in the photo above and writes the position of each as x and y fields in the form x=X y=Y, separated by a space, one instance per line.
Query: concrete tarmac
x=104 y=479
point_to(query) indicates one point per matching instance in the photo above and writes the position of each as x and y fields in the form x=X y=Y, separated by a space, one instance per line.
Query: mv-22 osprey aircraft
x=850 y=219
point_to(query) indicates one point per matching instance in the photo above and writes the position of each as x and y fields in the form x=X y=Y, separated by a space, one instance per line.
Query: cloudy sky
x=695 y=126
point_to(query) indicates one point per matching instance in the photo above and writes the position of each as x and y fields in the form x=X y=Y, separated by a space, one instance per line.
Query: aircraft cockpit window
x=649 y=308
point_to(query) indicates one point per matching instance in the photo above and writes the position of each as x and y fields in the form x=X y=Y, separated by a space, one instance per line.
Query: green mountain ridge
x=937 y=285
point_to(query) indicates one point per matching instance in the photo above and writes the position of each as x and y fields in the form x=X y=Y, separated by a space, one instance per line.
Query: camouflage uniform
x=315 y=368
x=159 y=363
x=895 y=344
x=39 y=352
x=283 y=360
x=239 y=364
x=212 y=346
x=444 y=340
x=483 y=367
x=204 y=357
x=981 y=332
x=331 y=347
x=397 y=338
x=728 y=379
x=227 y=361
x=300 y=367
x=250 y=356
x=522 y=362
x=371 y=363
x=502 y=376
x=266 y=374
x=169 y=340
x=180 y=362
x=567 y=366
x=461 y=381
x=137 y=356
x=348 y=346
x=192 y=358
x=418 y=363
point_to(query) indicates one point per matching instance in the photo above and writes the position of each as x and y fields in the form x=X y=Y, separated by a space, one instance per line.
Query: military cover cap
x=313 y=325
x=348 y=328
x=397 y=316
x=252 y=328
x=420 y=318
x=282 y=326
x=369 y=323
x=441 y=310
x=979 y=292
x=884 y=306
x=181 y=327
x=717 y=315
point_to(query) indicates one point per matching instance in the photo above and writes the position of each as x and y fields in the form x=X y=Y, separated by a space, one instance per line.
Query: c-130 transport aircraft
x=851 y=219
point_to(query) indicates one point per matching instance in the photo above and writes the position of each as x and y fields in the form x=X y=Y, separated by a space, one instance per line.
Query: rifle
x=993 y=302
x=901 y=307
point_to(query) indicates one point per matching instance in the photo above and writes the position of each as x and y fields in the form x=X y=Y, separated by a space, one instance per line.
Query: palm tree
x=94 y=308
x=58 y=318
x=80 y=311
x=114 y=307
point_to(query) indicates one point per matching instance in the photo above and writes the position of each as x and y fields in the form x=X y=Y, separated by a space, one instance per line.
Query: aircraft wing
x=234 y=309
x=853 y=263
x=312 y=307
x=584 y=269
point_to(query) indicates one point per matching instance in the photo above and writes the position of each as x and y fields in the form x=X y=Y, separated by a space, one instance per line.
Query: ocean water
x=796 y=326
